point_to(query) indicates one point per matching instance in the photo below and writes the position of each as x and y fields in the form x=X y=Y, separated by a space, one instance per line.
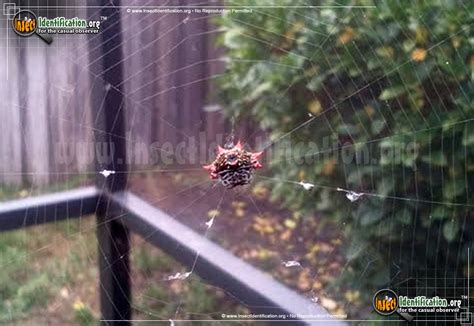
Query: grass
x=9 y=192
x=40 y=266
x=188 y=299
x=49 y=275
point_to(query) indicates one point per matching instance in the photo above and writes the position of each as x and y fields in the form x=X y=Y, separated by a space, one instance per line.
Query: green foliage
x=38 y=272
x=83 y=315
x=146 y=261
x=32 y=293
x=21 y=288
x=393 y=86
x=35 y=270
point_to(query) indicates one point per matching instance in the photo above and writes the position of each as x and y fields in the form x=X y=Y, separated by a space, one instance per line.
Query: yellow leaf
x=419 y=103
x=291 y=33
x=352 y=296
x=370 y=110
x=253 y=253
x=263 y=226
x=312 y=71
x=290 y=224
x=346 y=36
x=328 y=303
x=339 y=312
x=239 y=212
x=78 y=305
x=386 y=52
x=419 y=54
x=304 y=281
x=315 y=107
x=239 y=204
x=314 y=249
x=317 y=285
x=302 y=174
x=296 y=215
x=328 y=167
x=298 y=26
x=326 y=248
x=265 y=253
x=456 y=42
x=421 y=35
x=285 y=236
x=213 y=213
x=260 y=191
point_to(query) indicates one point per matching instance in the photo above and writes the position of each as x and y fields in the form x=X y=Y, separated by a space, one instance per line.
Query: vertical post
x=112 y=235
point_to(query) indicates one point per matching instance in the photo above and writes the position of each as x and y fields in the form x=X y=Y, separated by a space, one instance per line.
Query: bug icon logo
x=24 y=23
x=385 y=302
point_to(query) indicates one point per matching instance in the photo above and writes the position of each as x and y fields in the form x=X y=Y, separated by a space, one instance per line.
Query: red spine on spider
x=234 y=166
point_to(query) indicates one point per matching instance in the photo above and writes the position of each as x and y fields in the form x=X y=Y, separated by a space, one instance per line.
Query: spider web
x=145 y=87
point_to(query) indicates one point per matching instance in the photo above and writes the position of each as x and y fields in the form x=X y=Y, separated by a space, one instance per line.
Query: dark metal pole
x=112 y=235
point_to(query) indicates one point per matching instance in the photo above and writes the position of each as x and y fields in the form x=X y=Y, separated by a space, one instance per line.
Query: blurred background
x=364 y=112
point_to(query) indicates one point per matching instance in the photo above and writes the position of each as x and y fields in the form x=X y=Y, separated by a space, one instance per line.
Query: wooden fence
x=171 y=68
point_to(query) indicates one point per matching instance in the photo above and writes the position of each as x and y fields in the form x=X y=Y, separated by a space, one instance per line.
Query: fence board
x=50 y=113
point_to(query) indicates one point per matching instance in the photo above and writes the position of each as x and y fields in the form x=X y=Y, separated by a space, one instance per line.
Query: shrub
x=391 y=85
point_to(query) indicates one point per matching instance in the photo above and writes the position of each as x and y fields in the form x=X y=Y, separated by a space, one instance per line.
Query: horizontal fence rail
x=259 y=292
x=217 y=266
x=54 y=207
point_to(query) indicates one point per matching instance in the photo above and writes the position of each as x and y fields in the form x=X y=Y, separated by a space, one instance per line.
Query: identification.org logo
x=386 y=302
x=25 y=23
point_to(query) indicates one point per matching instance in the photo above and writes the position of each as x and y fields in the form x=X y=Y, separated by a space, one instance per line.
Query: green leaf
x=468 y=137
x=408 y=45
x=356 y=249
x=259 y=90
x=293 y=59
x=453 y=189
x=439 y=213
x=393 y=92
x=451 y=230
x=348 y=129
x=404 y=216
x=373 y=63
x=233 y=38
x=325 y=200
x=377 y=126
x=385 y=186
x=436 y=158
x=316 y=82
x=370 y=215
